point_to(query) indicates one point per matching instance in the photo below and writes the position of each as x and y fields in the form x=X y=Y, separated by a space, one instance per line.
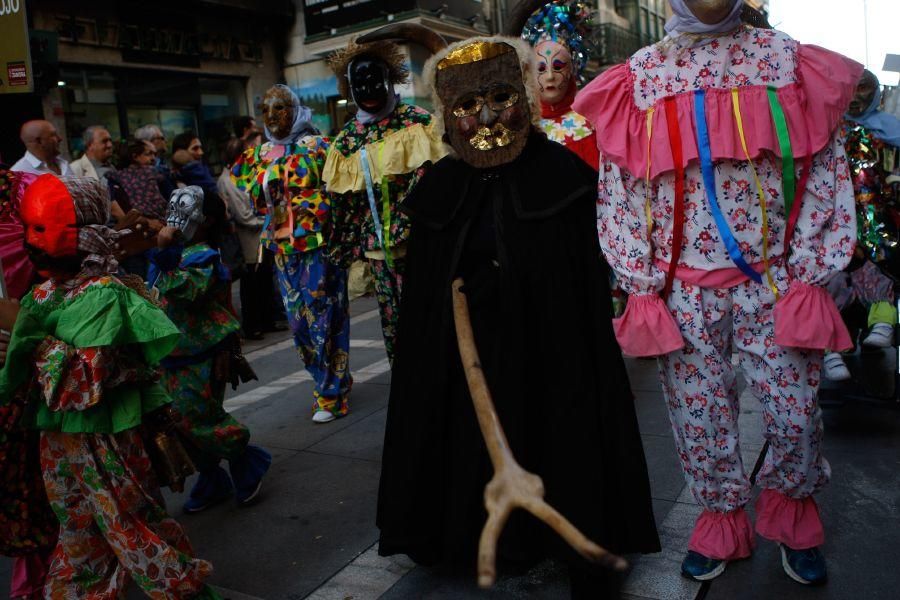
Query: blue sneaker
x=700 y=568
x=213 y=486
x=247 y=472
x=804 y=566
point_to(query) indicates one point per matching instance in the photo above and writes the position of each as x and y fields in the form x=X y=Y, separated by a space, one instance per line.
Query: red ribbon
x=678 y=160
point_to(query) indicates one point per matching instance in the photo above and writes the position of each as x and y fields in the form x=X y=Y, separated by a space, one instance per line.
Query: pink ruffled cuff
x=794 y=523
x=723 y=536
x=647 y=328
x=808 y=318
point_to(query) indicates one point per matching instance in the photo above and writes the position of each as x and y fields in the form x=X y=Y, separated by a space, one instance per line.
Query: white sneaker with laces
x=881 y=336
x=835 y=367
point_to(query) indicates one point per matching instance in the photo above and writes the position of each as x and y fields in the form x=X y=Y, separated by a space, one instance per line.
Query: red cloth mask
x=48 y=213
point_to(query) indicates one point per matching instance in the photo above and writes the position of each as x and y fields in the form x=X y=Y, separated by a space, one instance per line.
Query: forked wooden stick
x=512 y=486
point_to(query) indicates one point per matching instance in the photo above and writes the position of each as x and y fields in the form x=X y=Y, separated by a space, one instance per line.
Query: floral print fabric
x=700 y=389
x=199 y=398
x=198 y=300
x=354 y=229
x=291 y=174
x=636 y=218
x=821 y=244
x=314 y=291
x=113 y=526
x=141 y=184
x=388 y=288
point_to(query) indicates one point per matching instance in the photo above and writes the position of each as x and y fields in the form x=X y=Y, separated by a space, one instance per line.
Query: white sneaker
x=881 y=336
x=323 y=416
x=835 y=368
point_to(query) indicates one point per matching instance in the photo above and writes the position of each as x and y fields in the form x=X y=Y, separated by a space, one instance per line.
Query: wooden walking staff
x=512 y=486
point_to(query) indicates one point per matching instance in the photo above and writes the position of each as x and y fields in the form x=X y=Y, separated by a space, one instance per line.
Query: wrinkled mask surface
x=369 y=84
x=278 y=111
x=486 y=111
x=185 y=211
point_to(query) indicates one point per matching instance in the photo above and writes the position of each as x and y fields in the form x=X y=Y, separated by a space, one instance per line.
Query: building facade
x=323 y=26
x=185 y=65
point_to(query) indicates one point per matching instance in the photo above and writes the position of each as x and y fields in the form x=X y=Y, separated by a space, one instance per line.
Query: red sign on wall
x=16 y=73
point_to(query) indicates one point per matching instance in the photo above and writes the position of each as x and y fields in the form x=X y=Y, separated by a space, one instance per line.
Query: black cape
x=524 y=236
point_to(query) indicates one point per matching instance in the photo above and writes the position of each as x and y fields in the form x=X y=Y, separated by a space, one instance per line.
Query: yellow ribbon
x=648 y=208
x=736 y=104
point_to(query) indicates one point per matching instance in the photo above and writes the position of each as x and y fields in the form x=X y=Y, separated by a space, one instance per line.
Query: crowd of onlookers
x=142 y=171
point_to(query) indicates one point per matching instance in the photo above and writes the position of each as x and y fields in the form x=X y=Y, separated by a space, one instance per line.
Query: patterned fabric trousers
x=701 y=391
x=388 y=288
x=199 y=399
x=113 y=525
x=314 y=291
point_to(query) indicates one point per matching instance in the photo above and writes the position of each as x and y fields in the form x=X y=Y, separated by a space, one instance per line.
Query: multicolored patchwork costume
x=83 y=350
x=370 y=169
x=725 y=203
x=195 y=290
x=287 y=181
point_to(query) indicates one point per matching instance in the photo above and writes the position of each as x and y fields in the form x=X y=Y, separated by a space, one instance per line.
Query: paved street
x=312 y=534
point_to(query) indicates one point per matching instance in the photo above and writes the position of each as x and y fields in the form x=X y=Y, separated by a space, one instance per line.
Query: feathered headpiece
x=566 y=22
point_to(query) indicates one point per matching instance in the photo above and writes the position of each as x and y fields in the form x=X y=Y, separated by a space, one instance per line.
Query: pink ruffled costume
x=757 y=114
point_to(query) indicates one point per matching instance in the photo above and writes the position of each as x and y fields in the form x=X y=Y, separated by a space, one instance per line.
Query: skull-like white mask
x=185 y=211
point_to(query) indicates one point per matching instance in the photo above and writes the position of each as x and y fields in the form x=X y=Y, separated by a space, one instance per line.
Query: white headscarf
x=684 y=21
x=302 y=121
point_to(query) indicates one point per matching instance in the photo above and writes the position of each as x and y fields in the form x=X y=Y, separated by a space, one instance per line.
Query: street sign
x=15 y=55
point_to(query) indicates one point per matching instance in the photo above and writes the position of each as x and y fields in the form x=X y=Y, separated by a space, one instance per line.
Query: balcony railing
x=614 y=44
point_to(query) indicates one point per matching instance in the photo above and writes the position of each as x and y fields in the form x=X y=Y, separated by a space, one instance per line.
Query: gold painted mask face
x=487 y=116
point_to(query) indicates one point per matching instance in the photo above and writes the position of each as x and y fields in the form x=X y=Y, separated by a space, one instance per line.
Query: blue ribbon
x=370 y=190
x=709 y=182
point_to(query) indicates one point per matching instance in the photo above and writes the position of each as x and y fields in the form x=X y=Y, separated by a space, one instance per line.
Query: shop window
x=89 y=98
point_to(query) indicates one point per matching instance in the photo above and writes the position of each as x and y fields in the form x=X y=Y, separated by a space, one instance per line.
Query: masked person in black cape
x=513 y=214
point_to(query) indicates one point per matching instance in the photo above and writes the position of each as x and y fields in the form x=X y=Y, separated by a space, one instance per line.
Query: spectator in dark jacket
x=187 y=158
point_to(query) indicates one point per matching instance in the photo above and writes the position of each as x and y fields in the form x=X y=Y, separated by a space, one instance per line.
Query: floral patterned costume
x=195 y=292
x=370 y=169
x=724 y=204
x=194 y=295
x=83 y=349
x=313 y=287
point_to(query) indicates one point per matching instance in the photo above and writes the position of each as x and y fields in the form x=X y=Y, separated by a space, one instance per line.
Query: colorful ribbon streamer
x=736 y=105
x=709 y=182
x=648 y=207
x=678 y=161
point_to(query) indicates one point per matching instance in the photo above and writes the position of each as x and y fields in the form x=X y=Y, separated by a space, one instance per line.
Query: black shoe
x=275 y=328
x=254 y=335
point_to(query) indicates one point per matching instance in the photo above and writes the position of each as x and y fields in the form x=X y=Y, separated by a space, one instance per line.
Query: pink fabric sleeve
x=723 y=536
x=807 y=317
x=647 y=328
x=794 y=523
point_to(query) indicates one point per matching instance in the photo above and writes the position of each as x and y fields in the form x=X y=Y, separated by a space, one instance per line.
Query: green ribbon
x=789 y=173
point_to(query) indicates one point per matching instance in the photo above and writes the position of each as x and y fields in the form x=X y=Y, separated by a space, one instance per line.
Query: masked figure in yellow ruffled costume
x=377 y=158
